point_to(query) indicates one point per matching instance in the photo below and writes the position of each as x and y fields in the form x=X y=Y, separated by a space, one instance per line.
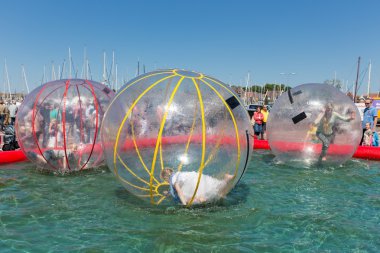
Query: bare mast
x=70 y=64
x=104 y=69
x=246 y=88
x=138 y=67
x=84 y=65
x=357 y=78
x=7 y=76
x=116 y=80
x=113 y=71
x=24 y=77
x=369 y=78
x=53 y=75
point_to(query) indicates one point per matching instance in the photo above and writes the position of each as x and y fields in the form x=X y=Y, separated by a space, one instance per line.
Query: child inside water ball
x=182 y=186
x=325 y=123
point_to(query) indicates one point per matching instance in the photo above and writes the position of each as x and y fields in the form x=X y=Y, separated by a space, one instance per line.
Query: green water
x=275 y=209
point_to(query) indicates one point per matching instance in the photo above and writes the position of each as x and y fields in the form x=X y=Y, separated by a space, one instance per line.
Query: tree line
x=262 y=89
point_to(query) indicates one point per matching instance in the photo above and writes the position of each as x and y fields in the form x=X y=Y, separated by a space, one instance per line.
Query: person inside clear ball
x=45 y=113
x=54 y=134
x=325 y=123
x=90 y=123
x=182 y=186
x=57 y=158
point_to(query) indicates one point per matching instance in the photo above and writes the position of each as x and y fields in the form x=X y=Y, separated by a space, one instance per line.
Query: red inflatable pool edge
x=7 y=157
x=362 y=152
x=260 y=144
x=369 y=153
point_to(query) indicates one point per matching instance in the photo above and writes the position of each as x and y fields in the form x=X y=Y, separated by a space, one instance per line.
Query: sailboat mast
x=104 y=69
x=4 y=84
x=116 y=81
x=246 y=89
x=83 y=72
x=53 y=76
x=85 y=64
x=24 y=77
x=4 y=93
x=113 y=70
x=138 y=67
x=7 y=76
x=369 y=78
x=87 y=69
x=357 y=78
x=70 y=64
x=44 y=78
x=63 y=69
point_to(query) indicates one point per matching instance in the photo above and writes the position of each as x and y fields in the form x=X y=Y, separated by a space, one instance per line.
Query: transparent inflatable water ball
x=314 y=124
x=175 y=135
x=58 y=124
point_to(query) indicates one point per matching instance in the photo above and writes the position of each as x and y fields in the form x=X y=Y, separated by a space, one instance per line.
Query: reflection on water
x=275 y=208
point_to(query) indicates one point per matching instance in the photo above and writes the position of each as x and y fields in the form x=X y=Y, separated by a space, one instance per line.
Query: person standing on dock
x=369 y=116
x=257 y=121
x=13 y=111
x=265 y=112
x=3 y=108
x=367 y=138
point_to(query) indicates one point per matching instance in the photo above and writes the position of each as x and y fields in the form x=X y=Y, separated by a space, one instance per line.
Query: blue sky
x=224 y=39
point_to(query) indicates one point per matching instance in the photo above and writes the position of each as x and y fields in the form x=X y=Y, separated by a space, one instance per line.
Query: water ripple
x=276 y=208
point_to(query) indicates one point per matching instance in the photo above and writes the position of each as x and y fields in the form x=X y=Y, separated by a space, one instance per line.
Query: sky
x=275 y=41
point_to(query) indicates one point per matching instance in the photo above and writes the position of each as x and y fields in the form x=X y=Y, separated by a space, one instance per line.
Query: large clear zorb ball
x=58 y=124
x=314 y=124
x=183 y=121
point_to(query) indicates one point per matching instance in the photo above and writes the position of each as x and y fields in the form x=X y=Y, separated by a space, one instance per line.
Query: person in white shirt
x=13 y=111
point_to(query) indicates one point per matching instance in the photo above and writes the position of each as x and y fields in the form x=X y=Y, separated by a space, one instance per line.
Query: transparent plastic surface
x=313 y=124
x=185 y=121
x=58 y=124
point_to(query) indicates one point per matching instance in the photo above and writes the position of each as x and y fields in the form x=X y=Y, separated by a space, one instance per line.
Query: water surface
x=276 y=208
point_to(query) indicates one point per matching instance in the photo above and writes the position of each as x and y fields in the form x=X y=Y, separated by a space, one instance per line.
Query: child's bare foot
x=228 y=177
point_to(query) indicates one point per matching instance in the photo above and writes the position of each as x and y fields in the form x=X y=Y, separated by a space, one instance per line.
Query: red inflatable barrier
x=7 y=157
x=261 y=144
x=369 y=153
x=12 y=157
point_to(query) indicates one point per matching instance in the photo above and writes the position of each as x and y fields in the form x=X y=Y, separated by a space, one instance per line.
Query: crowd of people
x=79 y=123
x=370 y=137
x=8 y=111
x=62 y=132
